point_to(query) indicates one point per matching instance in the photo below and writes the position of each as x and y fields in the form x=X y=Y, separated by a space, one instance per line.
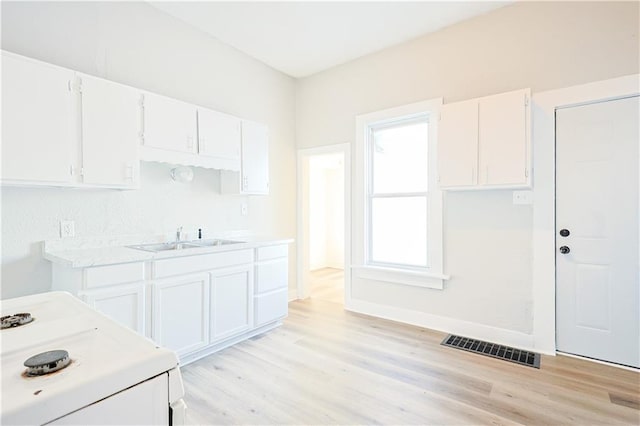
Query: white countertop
x=84 y=253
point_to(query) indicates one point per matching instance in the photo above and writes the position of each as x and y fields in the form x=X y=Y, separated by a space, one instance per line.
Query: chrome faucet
x=179 y=234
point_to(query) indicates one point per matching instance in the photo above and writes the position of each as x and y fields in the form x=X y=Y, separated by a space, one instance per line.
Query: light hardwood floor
x=328 y=366
x=327 y=284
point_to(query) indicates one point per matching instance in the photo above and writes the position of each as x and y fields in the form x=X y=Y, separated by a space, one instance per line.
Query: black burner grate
x=522 y=357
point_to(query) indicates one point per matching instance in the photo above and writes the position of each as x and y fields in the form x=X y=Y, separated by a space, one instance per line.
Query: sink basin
x=214 y=242
x=164 y=246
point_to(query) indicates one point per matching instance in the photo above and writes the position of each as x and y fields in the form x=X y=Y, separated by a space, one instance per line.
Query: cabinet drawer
x=101 y=276
x=270 y=307
x=188 y=264
x=273 y=252
x=272 y=275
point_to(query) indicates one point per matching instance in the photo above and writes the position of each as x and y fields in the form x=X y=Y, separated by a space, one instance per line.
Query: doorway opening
x=323 y=223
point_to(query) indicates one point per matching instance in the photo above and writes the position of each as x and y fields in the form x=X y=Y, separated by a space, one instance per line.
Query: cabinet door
x=124 y=304
x=181 y=313
x=110 y=133
x=37 y=137
x=231 y=301
x=503 y=138
x=219 y=135
x=458 y=144
x=169 y=124
x=255 y=158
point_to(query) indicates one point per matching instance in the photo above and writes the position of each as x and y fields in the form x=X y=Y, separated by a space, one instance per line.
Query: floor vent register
x=530 y=359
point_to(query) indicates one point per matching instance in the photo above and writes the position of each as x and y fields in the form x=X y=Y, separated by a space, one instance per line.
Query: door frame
x=302 y=261
x=544 y=188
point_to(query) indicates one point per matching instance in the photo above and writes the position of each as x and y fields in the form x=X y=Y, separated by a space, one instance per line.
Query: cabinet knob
x=564 y=249
x=564 y=233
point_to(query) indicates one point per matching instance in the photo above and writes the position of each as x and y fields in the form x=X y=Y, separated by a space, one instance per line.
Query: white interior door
x=597 y=259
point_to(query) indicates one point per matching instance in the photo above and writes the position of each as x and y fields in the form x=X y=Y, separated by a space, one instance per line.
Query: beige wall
x=135 y=44
x=488 y=240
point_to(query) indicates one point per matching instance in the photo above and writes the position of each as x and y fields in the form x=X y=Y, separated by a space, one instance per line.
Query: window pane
x=400 y=158
x=399 y=230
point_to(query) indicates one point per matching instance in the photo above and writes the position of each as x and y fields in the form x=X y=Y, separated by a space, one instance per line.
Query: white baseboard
x=335 y=265
x=597 y=361
x=293 y=294
x=446 y=324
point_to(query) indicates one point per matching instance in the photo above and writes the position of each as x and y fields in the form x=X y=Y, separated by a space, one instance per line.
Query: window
x=398 y=211
x=397 y=193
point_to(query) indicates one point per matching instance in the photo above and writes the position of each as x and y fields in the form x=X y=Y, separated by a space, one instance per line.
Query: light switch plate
x=522 y=197
x=67 y=228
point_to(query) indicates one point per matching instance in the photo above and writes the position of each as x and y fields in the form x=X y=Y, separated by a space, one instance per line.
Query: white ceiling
x=302 y=38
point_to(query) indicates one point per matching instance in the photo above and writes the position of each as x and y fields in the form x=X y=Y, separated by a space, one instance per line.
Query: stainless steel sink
x=214 y=242
x=164 y=246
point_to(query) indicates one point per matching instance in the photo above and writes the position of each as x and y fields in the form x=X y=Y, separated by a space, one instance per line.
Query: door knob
x=564 y=249
x=564 y=233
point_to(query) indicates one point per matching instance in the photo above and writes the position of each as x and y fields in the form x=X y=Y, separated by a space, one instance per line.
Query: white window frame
x=432 y=276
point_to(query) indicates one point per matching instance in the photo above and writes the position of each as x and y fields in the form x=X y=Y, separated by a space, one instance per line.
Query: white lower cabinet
x=194 y=305
x=272 y=287
x=231 y=301
x=124 y=304
x=181 y=313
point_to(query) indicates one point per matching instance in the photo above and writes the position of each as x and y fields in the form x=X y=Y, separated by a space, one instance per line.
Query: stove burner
x=47 y=362
x=15 y=320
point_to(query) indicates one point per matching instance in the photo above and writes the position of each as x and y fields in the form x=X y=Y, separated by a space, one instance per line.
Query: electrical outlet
x=522 y=197
x=67 y=228
x=244 y=208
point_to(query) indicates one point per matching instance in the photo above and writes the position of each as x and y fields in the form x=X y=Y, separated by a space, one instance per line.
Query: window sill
x=398 y=276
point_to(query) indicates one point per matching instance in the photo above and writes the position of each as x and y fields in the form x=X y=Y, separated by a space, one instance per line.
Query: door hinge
x=526 y=100
x=81 y=171
x=526 y=172
x=69 y=85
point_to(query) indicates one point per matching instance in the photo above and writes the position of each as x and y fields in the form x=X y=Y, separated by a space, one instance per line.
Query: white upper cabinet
x=169 y=124
x=485 y=143
x=458 y=144
x=255 y=158
x=253 y=178
x=219 y=137
x=503 y=137
x=37 y=121
x=110 y=133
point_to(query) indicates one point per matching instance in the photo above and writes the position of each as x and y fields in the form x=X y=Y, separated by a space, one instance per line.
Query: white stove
x=84 y=368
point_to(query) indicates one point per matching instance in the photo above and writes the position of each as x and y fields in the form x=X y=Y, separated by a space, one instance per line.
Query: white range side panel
x=458 y=144
x=110 y=133
x=503 y=138
x=169 y=124
x=219 y=135
x=37 y=137
x=144 y=404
